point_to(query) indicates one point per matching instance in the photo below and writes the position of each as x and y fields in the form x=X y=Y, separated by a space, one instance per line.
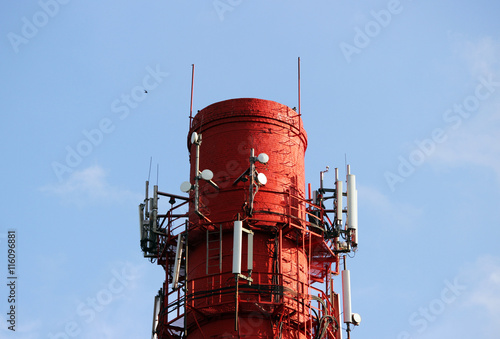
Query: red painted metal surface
x=289 y=254
x=230 y=129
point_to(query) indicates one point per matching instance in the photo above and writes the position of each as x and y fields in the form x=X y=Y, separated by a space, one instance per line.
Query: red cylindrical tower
x=242 y=261
x=230 y=130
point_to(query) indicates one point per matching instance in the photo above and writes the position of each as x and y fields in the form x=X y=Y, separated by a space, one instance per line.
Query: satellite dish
x=186 y=186
x=356 y=319
x=263 y=158
x=194 y=138
x=261 y=178
x=207 y=175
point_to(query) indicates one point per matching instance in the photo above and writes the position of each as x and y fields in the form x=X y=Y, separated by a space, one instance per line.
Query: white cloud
x=485 y=275
x=481 y=55
x=89 y=186
x=401 y=215
x=475 y=311
x=477 y=143
x=474 y=137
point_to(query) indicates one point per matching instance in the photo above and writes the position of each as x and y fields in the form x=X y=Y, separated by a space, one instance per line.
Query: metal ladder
x=214 y=251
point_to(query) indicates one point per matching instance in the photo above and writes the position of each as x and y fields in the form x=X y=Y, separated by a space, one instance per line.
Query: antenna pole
x=149 y=173
x=191 y=106
x=299 y=82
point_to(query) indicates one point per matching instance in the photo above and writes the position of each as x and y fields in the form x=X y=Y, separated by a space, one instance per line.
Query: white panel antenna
x=346 y=295
x=156 y=313
x=352 y=206
x=338 y=198
x=237 y=246
x=250 y=252
x=141 y=221
x=177 y=261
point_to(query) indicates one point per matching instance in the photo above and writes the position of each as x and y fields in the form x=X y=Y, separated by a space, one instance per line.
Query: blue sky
x=408 y=90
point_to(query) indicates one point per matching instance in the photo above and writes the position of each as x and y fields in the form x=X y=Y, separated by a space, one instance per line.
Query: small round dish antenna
x=194 y=138
x=207 y=175
x=186 y=186
x=261 y=179
x=356 y=319
x=263 y=158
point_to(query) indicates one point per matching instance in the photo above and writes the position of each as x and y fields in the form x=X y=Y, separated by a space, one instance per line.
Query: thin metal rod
x=299 y=82
x=236 y=306
x=252 y=172
x=196 y=179
x=191 y=106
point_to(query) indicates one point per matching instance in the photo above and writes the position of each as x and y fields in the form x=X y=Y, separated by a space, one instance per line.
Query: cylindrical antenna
x=237 y=246
x=338 y=196
x=177 y=261
x=146 y=200
x=346 y=295
x=191 y=106
x=352 y=206
x=156 y=313
x=250 y=252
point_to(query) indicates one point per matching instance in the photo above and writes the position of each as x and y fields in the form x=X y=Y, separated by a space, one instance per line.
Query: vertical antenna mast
x=299 y=82
x=191 y=105
x=298 y=74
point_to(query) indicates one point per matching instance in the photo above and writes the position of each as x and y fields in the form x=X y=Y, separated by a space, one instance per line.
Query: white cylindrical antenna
x=154 y=207
x=146 y=199
x=346 y=295
x=237 y=246
x=250 y=252
x=152 y=217
x=352 y=205
x=338 y=196
x=355 y=237
x=177 y=262
x=321 y=177
x=141 y=220
x=156 y=313
x=155 y=197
